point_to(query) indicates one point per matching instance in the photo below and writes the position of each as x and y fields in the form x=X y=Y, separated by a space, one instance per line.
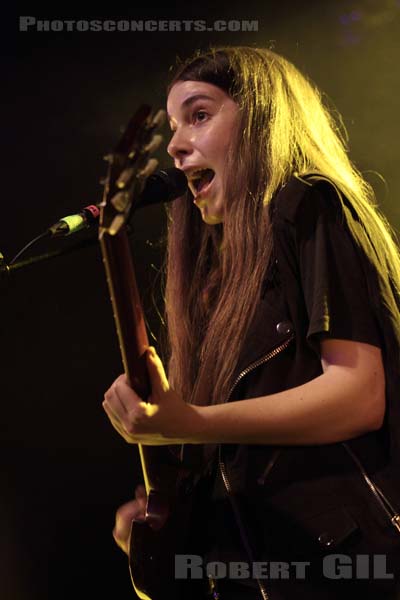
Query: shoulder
x=307 y=198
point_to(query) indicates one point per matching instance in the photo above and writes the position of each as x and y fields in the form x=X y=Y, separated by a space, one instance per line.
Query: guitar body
x=153 y=550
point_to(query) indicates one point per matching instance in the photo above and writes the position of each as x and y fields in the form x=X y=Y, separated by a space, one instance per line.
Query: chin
x=212 y=219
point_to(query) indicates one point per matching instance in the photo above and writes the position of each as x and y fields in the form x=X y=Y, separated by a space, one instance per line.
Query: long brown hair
x=214 y=273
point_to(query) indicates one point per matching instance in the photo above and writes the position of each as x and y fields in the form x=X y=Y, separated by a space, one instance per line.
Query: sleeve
x=330 y=269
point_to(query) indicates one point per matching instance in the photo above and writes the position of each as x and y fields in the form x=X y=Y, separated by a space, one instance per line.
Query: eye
x=199 y=116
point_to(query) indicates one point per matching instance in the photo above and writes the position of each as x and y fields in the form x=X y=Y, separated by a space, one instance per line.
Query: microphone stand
x=164 y=186
x=6 y=270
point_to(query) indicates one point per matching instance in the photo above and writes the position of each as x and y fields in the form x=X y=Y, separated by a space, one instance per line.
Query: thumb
x=158 y=378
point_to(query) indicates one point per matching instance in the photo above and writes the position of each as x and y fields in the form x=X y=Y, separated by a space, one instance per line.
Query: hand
x=134 y=510
x=164 y=419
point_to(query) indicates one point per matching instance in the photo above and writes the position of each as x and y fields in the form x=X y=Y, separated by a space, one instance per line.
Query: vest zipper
x=259 y=362
x=222 y=467
x=379 y=496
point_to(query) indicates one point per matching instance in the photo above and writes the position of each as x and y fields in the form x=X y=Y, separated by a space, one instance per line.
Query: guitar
x=155 y=541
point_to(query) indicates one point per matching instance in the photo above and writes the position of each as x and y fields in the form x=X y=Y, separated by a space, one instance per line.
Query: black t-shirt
x=312 y=231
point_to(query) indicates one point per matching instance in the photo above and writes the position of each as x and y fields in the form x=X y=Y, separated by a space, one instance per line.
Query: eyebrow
x=191 y=100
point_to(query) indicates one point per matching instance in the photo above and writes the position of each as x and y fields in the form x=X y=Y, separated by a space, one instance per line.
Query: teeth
x=197 y=174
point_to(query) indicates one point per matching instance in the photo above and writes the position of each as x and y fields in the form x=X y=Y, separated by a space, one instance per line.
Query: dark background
x=65 y=96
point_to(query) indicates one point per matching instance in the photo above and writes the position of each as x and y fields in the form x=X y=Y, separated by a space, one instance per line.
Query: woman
x=282 y=305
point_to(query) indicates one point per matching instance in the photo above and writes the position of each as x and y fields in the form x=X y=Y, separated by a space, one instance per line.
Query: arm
x=347 y=400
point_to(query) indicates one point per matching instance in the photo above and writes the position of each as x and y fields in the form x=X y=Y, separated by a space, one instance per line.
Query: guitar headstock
x=129 y=166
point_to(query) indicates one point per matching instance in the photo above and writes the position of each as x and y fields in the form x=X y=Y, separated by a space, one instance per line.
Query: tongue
x=205 y=179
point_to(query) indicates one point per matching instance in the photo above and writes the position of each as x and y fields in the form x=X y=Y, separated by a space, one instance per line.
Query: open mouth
x=201 y=179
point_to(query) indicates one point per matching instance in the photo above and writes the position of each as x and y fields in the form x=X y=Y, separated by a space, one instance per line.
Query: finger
x=127 y=513
x=140 y=492
x=112 y=413
x=111 y=390
x=126 y=431
x=158 y=378
x=123 y=519
x=121 y=390
x=113 y=403
x=121 y=543
x=131 y=511
x=115 y=422
x=120 y=395
x=121 y=400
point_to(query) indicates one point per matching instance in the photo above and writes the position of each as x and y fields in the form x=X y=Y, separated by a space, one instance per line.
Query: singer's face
x=203 y=119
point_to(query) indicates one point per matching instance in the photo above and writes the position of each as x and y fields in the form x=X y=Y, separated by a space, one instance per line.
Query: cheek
x=220 y=150
x=225 y=140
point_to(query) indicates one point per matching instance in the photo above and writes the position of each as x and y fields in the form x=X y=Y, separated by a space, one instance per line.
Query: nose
x=179 y=146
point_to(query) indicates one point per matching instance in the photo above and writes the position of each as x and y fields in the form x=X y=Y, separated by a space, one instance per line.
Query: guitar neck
x=132 y=337
x=127 y=308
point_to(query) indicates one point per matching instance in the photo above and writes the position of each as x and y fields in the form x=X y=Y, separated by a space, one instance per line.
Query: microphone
x=162 y=186
x=87 y=217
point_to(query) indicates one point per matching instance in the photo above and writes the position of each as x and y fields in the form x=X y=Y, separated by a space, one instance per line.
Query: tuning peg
x=108 y=157
x=154 y=144
x=132 y=154
x=116 y=224
x=125 y=177
x=120 y=201
x=103 y=181
x=150 y=167
x=159 y=118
